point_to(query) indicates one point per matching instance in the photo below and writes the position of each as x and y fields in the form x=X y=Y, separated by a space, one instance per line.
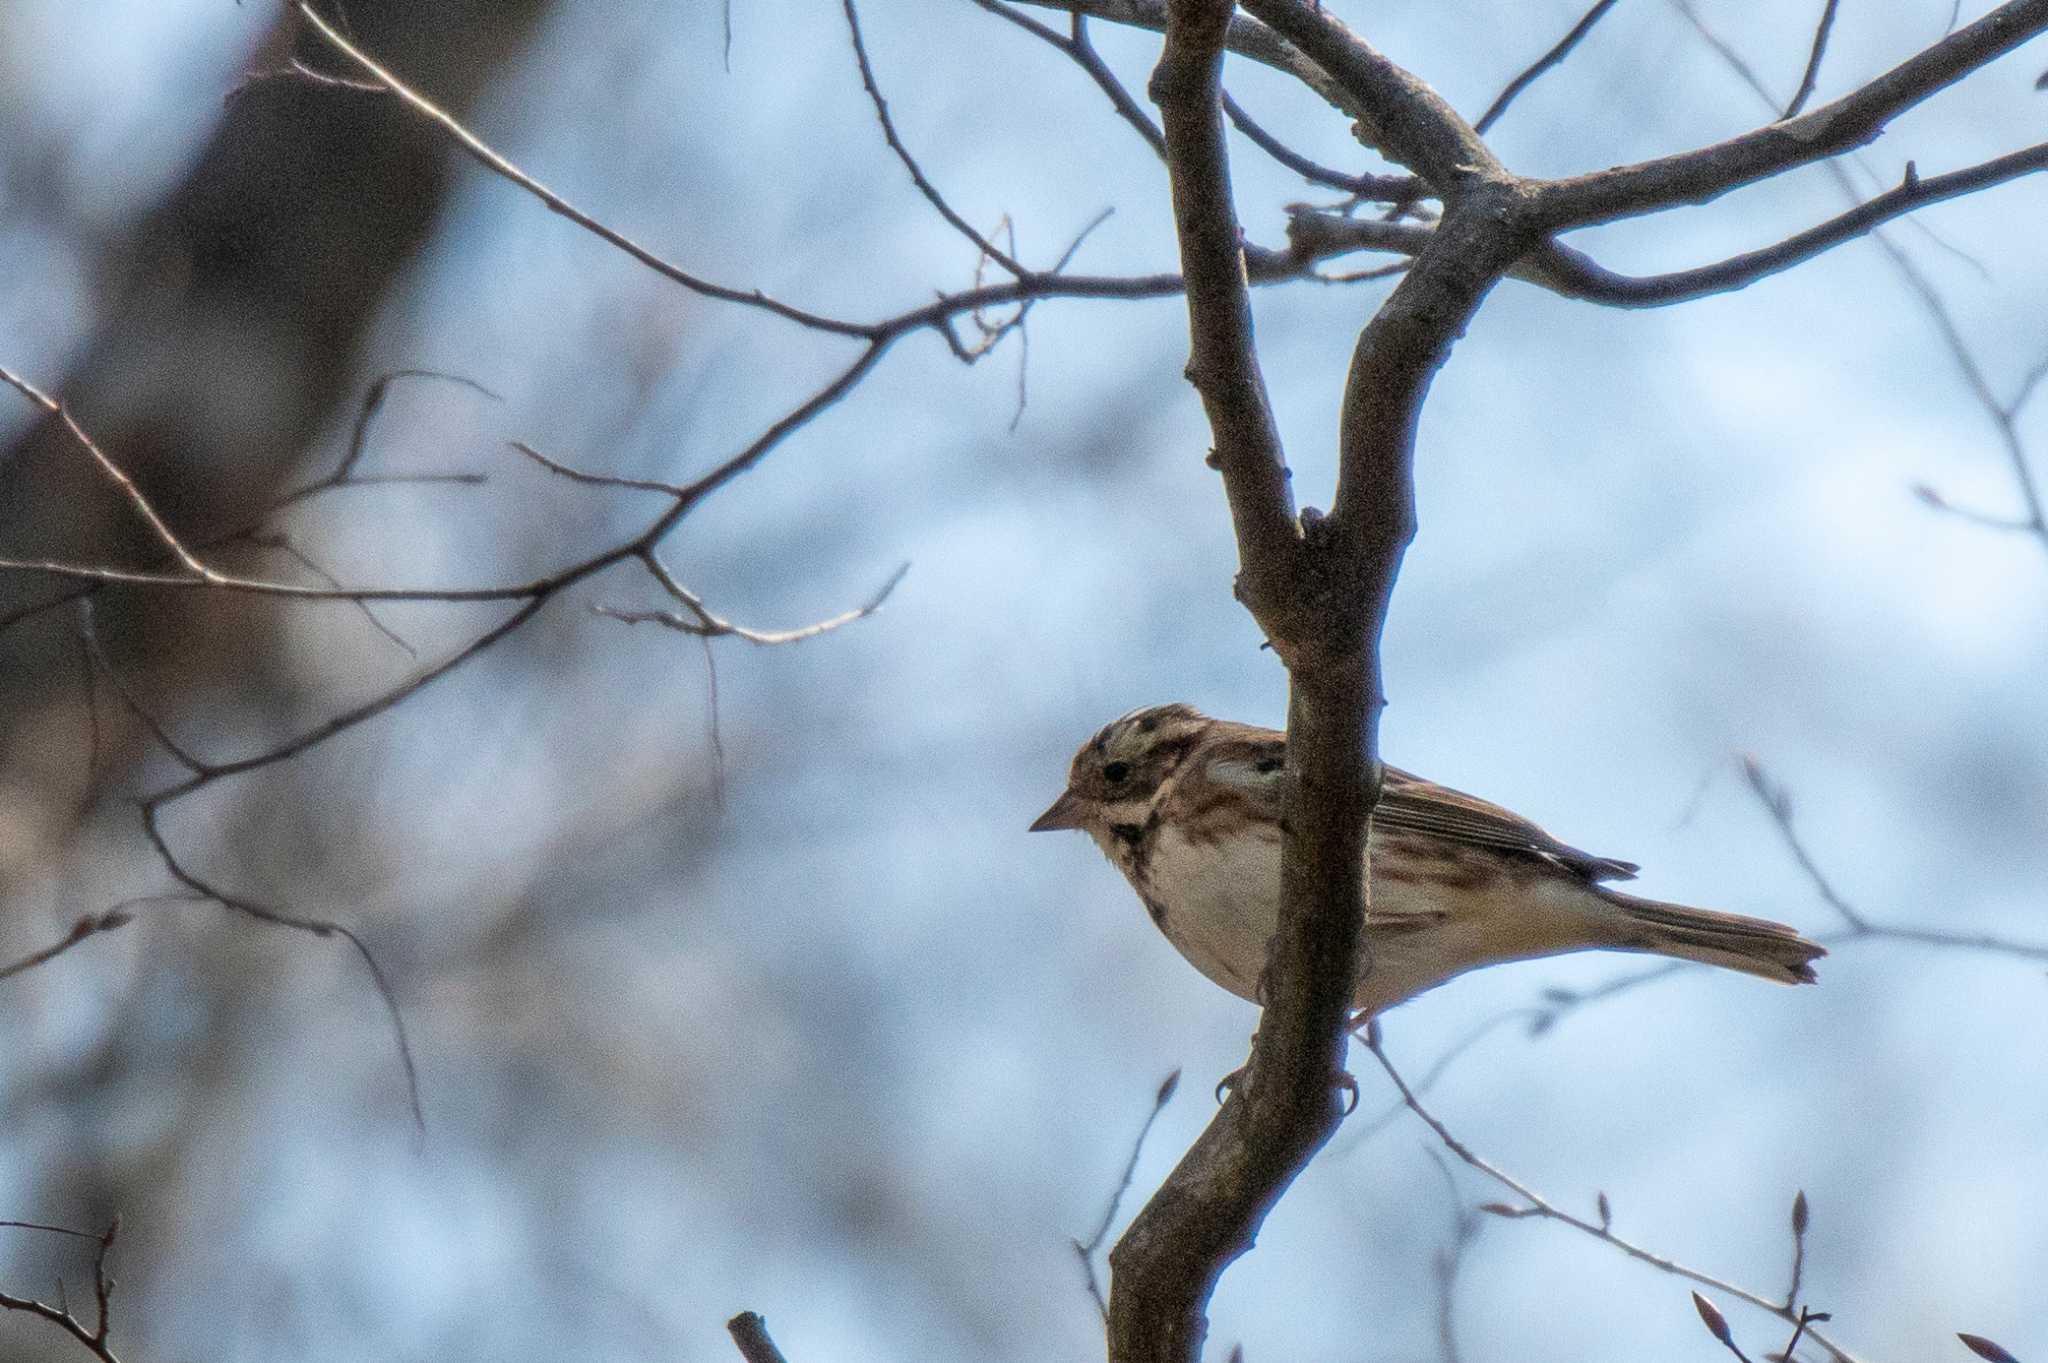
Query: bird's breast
x=1217 y=900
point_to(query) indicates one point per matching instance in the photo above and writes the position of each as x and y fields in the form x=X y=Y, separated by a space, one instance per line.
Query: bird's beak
x=1065 y=813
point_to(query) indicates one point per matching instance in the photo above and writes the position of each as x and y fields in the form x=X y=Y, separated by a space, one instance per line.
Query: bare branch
x=502 y=166
x=93 y=1337
x=1575 y=275
x=1320 y=594
x=1406 y=119
x=1571 y=273
x=1083 y=53
x=924 y=186
x=1544 y=63
x=1811 y=76
x=373 y=402
x=702 y=623
x=576 y=475
x=2003 y=415
x=1536 y=1205
x=88 y=925
x=1709 y=172
x=1399 y=189
x=750 y=1335
x=1085 y=1250
x=113 y=472
x=1223 y=364
x=317 y=927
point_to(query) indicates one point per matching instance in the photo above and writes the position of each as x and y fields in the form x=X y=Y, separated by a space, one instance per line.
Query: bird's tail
x=1756 y=946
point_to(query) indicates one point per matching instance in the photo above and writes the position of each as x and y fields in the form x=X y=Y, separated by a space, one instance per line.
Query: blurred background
x=798 y=1019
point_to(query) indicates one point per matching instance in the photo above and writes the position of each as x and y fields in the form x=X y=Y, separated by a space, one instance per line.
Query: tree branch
x=1223 y=363
x=1320 y=595
x=1247 y=37
x=1401 y=189
x=1537 y=1205
x=93 y=1337
x=1083 y=54
x=917 y=176
x=1542 y=64
x=1571 y=273
x=1810 y=77
x=1404 y=118
x=1858 y=117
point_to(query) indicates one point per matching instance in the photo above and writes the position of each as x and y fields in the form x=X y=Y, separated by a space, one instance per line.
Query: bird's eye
x=1115 y=772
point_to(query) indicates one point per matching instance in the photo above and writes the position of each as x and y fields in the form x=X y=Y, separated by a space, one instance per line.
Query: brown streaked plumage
x=1188 y=808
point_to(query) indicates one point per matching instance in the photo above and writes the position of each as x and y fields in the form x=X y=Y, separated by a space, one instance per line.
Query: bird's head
x=1117 y=774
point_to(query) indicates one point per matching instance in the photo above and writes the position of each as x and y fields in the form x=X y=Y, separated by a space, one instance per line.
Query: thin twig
x=1083 y=54
x=1777 y=802
x=703 y=623
x=88 y=631
x=1536 y=1205
x=1542 y=64
x=1085 y=1250
x=88 y=925
x=317 y=927
x=500 y=165
x=2004 y=417
x=576 y=475
x=1403 y=189
x=282 y=543
x=297 y=72
x=344 y=476
x=711 y=722
x=1448 y=1262
x=917 y=176
x=93 y=1337
x=1362 y=1131
x=1811 y=76
x=112 y=471
x=373 y=402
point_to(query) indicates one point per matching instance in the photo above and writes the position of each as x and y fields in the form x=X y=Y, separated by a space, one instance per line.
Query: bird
x=1188 y=808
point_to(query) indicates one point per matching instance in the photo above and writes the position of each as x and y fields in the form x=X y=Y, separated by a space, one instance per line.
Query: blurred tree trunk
x=230 y=326
x=232 y=318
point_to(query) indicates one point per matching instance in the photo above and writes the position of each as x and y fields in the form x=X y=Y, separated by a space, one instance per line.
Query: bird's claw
x=1342 y=1081
x=1348 y=1086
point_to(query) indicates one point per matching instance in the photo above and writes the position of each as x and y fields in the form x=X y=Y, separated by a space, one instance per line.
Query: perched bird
x=1188 y=808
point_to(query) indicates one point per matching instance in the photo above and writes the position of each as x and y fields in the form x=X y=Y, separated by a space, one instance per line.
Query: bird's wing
x=1250 y=768
x=1409 y=802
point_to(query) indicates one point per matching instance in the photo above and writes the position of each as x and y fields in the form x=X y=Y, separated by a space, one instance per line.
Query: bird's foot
x=1341 y=1081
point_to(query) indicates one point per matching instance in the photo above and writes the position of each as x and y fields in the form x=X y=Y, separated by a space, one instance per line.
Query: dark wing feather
x=1409 y=802
x=1247 y=761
